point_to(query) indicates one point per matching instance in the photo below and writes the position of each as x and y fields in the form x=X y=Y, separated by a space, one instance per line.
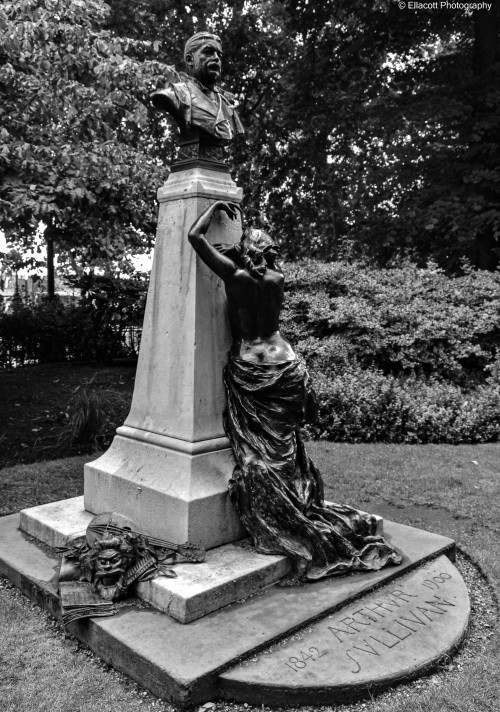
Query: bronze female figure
x=276 y=488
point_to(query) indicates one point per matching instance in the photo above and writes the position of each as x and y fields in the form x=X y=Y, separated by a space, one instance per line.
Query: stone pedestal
x=168 y=466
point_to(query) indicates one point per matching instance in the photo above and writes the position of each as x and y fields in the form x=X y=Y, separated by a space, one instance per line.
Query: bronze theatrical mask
x=276 y=488
x=111 y=557
x=103 y=565
x=205 y=113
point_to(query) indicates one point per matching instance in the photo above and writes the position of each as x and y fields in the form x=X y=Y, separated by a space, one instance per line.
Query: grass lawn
x=452 y=490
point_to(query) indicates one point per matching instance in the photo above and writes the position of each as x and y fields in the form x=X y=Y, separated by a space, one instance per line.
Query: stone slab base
x=229 y=573
x=184 y=663
x=393 y=635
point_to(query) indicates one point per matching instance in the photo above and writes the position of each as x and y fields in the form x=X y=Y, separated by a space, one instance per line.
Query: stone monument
x=169 y=465
x=164 y=481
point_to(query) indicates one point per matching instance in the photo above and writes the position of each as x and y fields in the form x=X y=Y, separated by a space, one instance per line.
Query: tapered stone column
x=169 y=464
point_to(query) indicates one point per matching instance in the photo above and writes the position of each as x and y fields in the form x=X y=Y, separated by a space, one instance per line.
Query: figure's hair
x=253 y=244
x=249 y=252
x=197 y=40
x=257 y=237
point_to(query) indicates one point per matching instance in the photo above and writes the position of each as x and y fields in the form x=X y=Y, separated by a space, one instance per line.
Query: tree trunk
x=486 y=53
x=51 y=291
x=486 y=49
x=331 y=244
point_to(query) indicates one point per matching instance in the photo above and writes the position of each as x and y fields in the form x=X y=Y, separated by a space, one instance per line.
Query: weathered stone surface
x=56 y=523
x=172 y=495
x=178 y=389
x=229 y=573
x=169 y=465
x=393 y=634
x=32 y=569
x=183 y=662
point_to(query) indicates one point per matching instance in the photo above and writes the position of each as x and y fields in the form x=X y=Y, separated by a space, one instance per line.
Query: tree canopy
x=77 y=154
x=371 y=131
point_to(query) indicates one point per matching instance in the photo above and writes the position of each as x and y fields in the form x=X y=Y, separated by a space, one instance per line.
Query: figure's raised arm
x=220 y=264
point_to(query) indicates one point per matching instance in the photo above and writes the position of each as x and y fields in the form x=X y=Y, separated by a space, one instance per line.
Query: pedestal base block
x=172 y=495
x=56 y=523
x=230 y=573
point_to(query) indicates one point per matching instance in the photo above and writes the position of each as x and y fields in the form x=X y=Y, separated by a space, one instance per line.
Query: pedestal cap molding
x=199 y=182
x=183 y=446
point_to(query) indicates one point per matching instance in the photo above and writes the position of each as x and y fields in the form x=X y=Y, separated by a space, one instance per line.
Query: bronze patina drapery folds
x=276 y=488
x=205 y=113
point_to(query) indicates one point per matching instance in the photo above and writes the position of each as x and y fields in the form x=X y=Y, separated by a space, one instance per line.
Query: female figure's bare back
x=254 y=294
x=254 y=306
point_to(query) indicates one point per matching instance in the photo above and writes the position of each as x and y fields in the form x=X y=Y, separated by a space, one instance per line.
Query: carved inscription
x=298 y=663
x=383 y=623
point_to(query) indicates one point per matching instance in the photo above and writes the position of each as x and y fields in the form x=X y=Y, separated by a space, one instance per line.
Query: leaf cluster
x=398 y=355
x=369 y=130
x=402 y=321
x=76 y=154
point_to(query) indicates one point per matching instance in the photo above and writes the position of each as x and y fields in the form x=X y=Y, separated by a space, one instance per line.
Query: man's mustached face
x=206 y=62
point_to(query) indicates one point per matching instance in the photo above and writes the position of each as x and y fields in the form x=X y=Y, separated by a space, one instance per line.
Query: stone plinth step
x=229 y=573
x=56 y=523
x=392 y=635
x=185 y=663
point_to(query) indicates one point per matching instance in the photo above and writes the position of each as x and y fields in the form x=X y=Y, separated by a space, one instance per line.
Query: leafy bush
x=17 y=342
x=401 y=321
x=361 y=405
x=398 y=355
x=109 y=306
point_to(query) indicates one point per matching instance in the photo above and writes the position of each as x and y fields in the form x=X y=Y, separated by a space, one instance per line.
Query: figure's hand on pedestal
x=231 y=209
x=201 y=225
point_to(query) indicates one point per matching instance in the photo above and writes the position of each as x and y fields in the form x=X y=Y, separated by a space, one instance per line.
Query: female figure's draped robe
x=277 y=489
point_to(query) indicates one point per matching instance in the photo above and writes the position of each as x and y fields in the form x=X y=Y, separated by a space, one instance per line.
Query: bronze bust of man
x=200 y=108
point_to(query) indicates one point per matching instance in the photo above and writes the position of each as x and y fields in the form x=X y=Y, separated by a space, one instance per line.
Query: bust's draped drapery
x=194 y=106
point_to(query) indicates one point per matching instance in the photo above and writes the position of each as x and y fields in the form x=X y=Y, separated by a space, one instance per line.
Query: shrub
x=17 y=342
x=92 y=330
x=401 y=321
x=109 y=306
x=51 y=325
x=360 y=405
x=398 y=355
